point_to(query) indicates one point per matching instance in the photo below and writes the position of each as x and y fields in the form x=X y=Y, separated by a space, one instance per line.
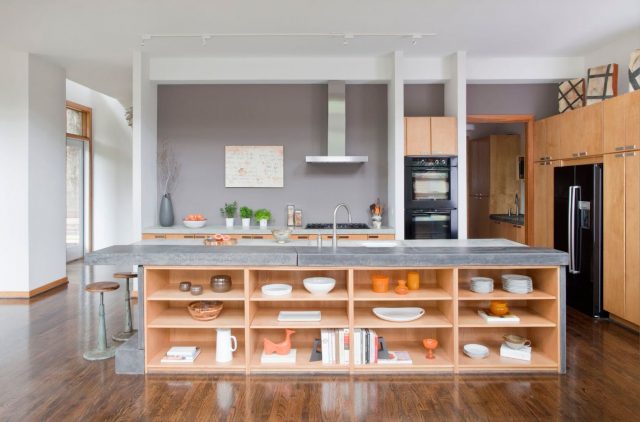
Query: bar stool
x=128 y=325
x=102 y=351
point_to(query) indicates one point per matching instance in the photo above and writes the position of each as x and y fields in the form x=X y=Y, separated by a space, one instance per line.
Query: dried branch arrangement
x=168 y=168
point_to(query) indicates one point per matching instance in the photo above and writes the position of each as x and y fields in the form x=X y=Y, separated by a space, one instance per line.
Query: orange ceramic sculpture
x=499 y=308
x=430 y=344
x=279 y=348
x=380 y=283
x=401 y=288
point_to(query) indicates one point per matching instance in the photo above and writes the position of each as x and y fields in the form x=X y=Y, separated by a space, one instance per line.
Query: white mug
x=225 y=345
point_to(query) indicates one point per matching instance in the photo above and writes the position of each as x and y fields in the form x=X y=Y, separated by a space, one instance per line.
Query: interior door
x=75 y=199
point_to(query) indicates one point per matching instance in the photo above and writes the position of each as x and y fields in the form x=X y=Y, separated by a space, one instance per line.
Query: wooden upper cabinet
x=430 y=136
x=540 y=141
x=443 y=136
x=622 y=123
x=555 y=143
x=417 y=136
x=576 y=133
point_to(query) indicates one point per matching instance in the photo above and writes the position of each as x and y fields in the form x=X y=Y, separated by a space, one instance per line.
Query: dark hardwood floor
x=44 y=377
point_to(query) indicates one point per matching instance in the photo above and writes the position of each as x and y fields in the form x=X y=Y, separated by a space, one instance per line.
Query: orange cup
x=379 y=283
x=413 y=280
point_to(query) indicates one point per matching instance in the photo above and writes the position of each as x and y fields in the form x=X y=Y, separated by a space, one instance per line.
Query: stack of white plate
x=476 y=351
x=481 y=284
x=517 y=283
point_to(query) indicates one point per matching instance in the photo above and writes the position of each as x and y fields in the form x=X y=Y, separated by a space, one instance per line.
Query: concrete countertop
x=517 y=220
x=406 y=253
x=212 y=229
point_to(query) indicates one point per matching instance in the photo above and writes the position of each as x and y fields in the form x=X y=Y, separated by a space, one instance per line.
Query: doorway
x=79 y=181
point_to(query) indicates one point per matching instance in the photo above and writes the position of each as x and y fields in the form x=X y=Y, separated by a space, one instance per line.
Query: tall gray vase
x=166 y=211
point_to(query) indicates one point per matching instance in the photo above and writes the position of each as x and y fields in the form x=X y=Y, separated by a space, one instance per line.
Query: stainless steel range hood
x=336 y=133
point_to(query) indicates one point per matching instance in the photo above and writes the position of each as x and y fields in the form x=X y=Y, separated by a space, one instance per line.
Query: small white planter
x=376 y=221
x=229 y=222
x=246 y=223
x=263 y=224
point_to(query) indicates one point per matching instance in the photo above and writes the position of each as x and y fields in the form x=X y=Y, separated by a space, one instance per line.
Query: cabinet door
x=540 y=140
x=632 y=237
x=586 y=128
x=417 y=132
x=555 y=143
x=443 y=136
x=478 y=163
x=543 y=205
x=613 y=124
x=632 y=123
x=613 y=242
x=478 y=212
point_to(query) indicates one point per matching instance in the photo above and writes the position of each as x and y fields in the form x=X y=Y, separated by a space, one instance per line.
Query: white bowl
x=276 y=289
x=319 y=285
x=194 y=224
x=476 y=351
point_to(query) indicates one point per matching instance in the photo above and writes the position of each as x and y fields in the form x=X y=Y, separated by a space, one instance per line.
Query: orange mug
x=413 y=280
x=380 y=283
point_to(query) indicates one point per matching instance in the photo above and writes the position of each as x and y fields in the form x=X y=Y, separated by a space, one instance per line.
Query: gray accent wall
x=540 y=100
x=423 y=100
x=199 y=120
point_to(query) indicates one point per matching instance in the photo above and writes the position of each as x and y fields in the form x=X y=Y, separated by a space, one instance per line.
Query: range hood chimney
x=336 y=132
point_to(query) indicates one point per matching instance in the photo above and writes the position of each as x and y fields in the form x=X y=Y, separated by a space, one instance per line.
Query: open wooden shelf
x=337 y=294
x=180 y=318
x=433 y=318
x=495 y=362
x=206 y=360
x=498 y=294
x=235 y=294
x=468 y=317
x=441 y=362
x=331 y=318
x=363 y=293
x=302 y=363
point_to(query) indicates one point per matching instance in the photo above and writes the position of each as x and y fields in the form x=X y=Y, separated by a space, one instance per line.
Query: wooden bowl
x=205 y=310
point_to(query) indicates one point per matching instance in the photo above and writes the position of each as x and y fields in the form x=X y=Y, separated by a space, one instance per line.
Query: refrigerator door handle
x=574 y=253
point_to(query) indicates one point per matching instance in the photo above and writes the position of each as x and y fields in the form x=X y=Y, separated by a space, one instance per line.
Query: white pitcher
x=225 y=345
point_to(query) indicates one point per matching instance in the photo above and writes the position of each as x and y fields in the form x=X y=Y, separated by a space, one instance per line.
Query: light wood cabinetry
x=540 y=144
x=503 y=230
x=430 y=136
x=621 y=235
x=444 y=293
x=622 y=123
x=543 y=192
x=504 y=183
x=576 y=133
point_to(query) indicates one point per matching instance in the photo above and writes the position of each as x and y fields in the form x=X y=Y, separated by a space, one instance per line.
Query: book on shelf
x=520 y=354
x=335 y=346
x=489 y=317
x=276 y=358
x=397 y=358
x=180 y=359
x=183 y=351
x=366 y=345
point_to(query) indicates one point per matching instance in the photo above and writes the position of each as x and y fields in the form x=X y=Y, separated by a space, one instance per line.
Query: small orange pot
x=499 y=308
x=401 y=288
x=380 y=283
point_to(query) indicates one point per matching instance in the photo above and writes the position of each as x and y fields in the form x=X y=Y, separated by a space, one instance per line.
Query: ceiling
x=94 y=40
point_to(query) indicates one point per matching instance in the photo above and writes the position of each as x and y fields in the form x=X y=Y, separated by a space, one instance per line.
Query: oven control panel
x=430 y=162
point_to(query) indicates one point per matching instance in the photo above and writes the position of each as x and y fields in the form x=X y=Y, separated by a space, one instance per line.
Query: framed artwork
x=570 y=94
x=254 y=166
x=634 y=71
x=602 y=83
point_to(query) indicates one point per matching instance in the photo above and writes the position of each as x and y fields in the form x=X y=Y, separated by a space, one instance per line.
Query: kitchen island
x=444 y=267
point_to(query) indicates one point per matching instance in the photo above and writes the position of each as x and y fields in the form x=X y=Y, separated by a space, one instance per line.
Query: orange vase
x=380 y=283
x=499 y=308
x=413 y=280
x=401 y=288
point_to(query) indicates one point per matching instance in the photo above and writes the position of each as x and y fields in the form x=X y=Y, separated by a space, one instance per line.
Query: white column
x=144 y=157
x=395 y=106
x=455 y=104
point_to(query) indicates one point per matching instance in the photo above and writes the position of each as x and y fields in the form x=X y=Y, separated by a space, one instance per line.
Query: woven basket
x=205 y=310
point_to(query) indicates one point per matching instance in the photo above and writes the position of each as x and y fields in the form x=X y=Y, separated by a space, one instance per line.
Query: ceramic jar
x=401 y=288
x=185 y=286
x=413 y=280
x=221 y=283
x=499 y=308
x=379 y=283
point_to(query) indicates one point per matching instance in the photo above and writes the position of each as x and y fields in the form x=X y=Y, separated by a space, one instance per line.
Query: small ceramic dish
x=319 y=285
x=476 y=351
x=276 y=289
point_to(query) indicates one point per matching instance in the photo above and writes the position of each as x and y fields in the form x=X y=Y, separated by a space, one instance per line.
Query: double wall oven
x=431 y=197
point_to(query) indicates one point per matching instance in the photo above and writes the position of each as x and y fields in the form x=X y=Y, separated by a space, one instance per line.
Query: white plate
x=276 y=289
x=476 y=351
x=299 y=316
x=398 y=314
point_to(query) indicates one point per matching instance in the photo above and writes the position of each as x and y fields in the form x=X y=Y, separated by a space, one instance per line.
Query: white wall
x=615 y=51
x=14 y=117
x=112 y=166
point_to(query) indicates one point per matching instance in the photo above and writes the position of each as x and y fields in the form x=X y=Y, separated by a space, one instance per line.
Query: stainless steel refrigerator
x=578 y=231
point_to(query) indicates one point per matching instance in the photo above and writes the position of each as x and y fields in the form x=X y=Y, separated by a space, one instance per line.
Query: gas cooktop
x=338 y=225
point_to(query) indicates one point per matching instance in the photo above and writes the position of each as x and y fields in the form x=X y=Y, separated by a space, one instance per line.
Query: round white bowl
x=319 y=285
x=276 y=289
x=476 y=351
x=194 y=224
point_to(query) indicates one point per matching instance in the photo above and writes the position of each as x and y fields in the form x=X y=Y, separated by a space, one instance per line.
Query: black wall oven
x=431 y=194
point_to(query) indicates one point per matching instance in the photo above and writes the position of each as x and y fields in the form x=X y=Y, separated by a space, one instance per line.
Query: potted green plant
x=246 y=213
x=263 y=216
x=229 y=212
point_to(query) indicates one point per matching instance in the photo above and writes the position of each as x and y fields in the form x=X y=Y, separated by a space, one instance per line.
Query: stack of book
x=522 y=354
x=365 y=346
x=181 y=354
x=399 y=358
x=335 y=346
x=489 y=317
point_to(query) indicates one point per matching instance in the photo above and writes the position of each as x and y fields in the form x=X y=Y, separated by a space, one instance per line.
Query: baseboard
x=36 y=291
x=624 y=322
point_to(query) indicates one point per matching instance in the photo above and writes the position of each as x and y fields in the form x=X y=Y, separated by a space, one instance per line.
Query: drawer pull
x=630 y=154
x=303 y=237
x=343 y=236
x=620 y=148
x=160 y=236
x=245 y=237
x=619 y=155
x=631 y=147
x=198 y=236
x=187 y=236
x=582 y=153
x=258 y=237
x=373 y=236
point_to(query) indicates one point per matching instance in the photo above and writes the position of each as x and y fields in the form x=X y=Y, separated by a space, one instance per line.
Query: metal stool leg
x=102 y=351
x=128 y=325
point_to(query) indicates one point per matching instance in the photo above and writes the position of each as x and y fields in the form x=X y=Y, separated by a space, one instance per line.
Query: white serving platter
x=476 y=351
x=299 y=316
x=398 y=314
x=276 y=289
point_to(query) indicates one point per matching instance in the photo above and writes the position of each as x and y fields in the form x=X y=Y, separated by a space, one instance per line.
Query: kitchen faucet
x=334 y=240
x=517 y=205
